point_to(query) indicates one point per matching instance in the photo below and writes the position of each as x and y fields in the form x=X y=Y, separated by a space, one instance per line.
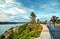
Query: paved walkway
x=45 y=33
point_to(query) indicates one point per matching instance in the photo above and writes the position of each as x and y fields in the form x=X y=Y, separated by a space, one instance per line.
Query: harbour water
x=5 y=27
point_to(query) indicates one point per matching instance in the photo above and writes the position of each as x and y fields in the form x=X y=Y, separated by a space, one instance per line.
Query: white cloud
x=4 y=3
x=4 y=17
x=8 y=1
x=20 y=10
x=11 y=7
x=10 y=11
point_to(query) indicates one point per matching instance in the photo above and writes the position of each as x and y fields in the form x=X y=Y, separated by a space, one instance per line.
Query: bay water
x=5 y=27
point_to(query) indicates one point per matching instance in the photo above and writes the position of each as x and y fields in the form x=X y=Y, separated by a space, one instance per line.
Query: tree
x=56 y=18
x=33 y=17
x=38 y=21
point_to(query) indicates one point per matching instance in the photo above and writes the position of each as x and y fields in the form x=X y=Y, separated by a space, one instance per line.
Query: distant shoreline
x=12 y=22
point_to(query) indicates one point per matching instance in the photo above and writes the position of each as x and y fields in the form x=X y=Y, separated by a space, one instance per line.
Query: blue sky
x=20 y=10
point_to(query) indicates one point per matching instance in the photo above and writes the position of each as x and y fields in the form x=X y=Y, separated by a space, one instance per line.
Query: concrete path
x=45 y=33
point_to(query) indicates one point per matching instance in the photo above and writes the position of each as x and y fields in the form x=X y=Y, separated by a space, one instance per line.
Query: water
x=4 y=27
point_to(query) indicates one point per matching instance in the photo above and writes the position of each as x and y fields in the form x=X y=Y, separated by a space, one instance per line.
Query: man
x=53 y=20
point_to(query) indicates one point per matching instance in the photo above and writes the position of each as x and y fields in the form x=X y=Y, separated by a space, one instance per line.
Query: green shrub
x=27 y=32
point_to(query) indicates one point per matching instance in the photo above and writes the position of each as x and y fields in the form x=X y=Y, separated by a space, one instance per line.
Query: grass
x=33 y=34
x=27 y=32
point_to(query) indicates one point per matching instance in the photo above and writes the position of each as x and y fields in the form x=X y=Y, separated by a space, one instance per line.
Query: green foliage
x=31 y=34
x=33 y=17
x=27 y=32
x=57 y=20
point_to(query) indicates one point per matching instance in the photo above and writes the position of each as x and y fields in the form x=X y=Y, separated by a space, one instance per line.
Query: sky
x=20 y=10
